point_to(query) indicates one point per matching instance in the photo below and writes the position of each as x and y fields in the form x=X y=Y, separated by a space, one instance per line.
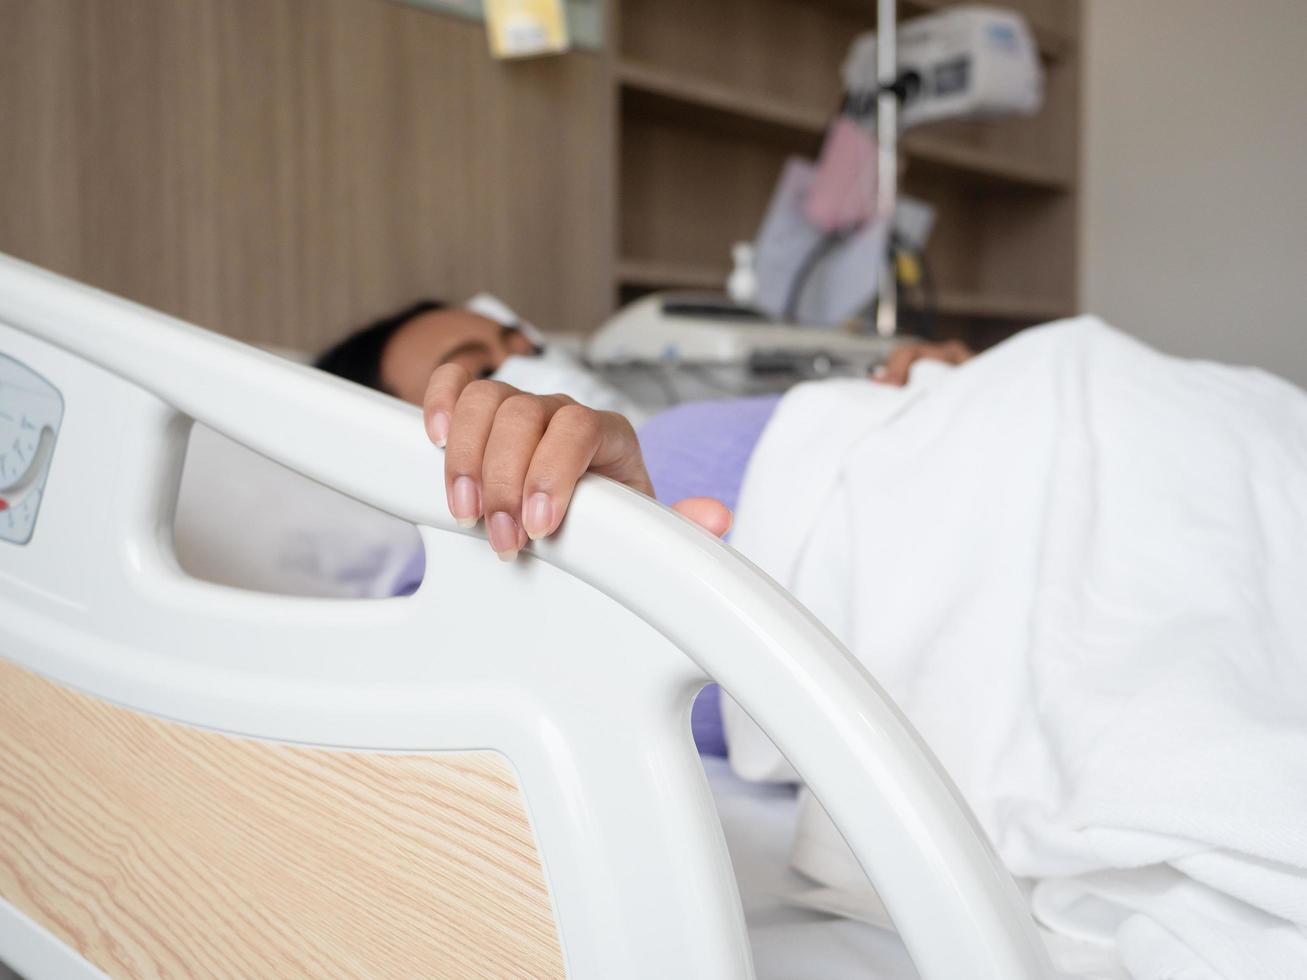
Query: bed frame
x=492 y=777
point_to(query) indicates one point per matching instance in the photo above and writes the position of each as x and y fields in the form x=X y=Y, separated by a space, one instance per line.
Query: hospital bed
x=491 y=777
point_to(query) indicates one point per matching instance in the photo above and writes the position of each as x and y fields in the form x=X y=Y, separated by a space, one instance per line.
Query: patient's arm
x=895 y=370
x=514 y=458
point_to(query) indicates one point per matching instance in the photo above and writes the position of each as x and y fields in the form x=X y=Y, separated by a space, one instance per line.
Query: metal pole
x=887 y=137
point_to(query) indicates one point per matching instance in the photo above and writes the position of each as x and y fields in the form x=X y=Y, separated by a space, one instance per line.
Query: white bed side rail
x=578 y=662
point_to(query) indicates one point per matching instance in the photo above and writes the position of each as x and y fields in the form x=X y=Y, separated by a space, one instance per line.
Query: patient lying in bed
x=513 y=457
x=514 y=453
x=1075 y=563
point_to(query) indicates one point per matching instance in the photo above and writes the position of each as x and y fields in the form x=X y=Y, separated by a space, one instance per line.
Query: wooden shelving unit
x=691 y=92
x=996 y=306
x=661 y=275
x=713 y=97
x=1015 y=307
x=696 y=100
x=982 y=164
x=652 y=157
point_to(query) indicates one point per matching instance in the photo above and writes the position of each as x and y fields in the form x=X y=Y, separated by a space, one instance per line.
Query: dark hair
x=358 y=357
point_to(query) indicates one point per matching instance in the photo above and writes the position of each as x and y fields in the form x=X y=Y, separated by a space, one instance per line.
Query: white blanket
x=1080 y=567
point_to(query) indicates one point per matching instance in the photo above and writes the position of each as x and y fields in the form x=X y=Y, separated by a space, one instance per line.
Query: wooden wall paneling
x=282 y=169
x=791 y=51
x=956 y=237
x=39 y=134
x=688 y=192
x=1029 y=248
x=155 y=849
x=1031 y=239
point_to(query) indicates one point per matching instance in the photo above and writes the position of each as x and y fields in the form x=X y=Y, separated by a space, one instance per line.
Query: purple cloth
x=701 y=449
x=698 y=449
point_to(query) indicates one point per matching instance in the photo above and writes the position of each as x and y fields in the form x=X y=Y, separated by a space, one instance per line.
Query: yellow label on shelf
x=521 y=28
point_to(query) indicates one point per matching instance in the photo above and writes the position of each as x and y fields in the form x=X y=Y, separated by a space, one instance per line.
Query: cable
x=810 y=262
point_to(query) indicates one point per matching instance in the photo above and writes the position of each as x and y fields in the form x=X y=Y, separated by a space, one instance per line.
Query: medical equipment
x=742 y=283
x=236 y=781
x=30 y=413
x=668 y=348
x=824 y=254
x=843 y=192
x=964 y=62
x=812 y=274
x=707 y=330
x=887 y=160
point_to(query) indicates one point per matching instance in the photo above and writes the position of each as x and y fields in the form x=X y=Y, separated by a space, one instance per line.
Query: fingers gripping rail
x=638 y=568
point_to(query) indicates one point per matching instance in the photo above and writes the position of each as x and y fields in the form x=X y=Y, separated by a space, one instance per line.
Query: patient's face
x=444 y=337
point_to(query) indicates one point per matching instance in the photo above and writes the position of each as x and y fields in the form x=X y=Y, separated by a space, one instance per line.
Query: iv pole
x=887 y=109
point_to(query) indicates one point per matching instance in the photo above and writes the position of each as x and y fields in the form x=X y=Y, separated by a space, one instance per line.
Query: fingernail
x=465 y=501
x=505 y=535
x=538 y=516
x=438 y=428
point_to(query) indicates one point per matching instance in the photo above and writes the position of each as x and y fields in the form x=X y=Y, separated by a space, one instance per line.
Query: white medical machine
x=177 y=757
x=966 y=62
x=668 y=347
x=706 y=331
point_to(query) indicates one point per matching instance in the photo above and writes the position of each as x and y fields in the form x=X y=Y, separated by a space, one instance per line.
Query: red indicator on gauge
x=4 y=504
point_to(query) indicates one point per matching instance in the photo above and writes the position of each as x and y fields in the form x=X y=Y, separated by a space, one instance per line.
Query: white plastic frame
x=578 y=662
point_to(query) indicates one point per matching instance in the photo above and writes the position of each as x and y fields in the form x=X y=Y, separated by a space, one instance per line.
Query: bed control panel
x=31 y=410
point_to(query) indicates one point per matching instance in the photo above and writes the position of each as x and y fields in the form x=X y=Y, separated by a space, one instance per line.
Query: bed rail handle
x=955 y=905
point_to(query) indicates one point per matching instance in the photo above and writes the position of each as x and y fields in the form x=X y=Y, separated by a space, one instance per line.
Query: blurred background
x=284 y=170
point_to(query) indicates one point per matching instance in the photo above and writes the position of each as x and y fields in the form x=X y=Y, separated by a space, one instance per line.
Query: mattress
x=789 y=942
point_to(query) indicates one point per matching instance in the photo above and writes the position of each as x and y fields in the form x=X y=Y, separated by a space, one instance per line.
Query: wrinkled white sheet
x=790 y=942
x=1080 y=566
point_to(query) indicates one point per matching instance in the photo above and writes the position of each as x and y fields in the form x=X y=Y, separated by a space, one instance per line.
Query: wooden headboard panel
x=157 y=849
x=283 y=170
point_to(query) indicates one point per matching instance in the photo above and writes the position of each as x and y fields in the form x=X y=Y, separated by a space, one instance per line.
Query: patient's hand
x=514 y=458
x=895 y=370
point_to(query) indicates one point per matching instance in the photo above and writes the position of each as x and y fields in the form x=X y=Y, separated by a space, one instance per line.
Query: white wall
x=1195 y=176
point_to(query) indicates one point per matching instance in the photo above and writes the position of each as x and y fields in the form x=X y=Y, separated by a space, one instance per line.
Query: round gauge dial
x=31 y=410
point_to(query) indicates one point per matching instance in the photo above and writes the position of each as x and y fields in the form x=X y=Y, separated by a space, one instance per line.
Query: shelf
x=1000 y=307
x=653 y=274
x=714 y=104
x=933 y=151
x=677 y=87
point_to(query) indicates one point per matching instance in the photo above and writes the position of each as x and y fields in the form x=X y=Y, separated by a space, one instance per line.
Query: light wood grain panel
x=155 y=849
x=281 y=170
